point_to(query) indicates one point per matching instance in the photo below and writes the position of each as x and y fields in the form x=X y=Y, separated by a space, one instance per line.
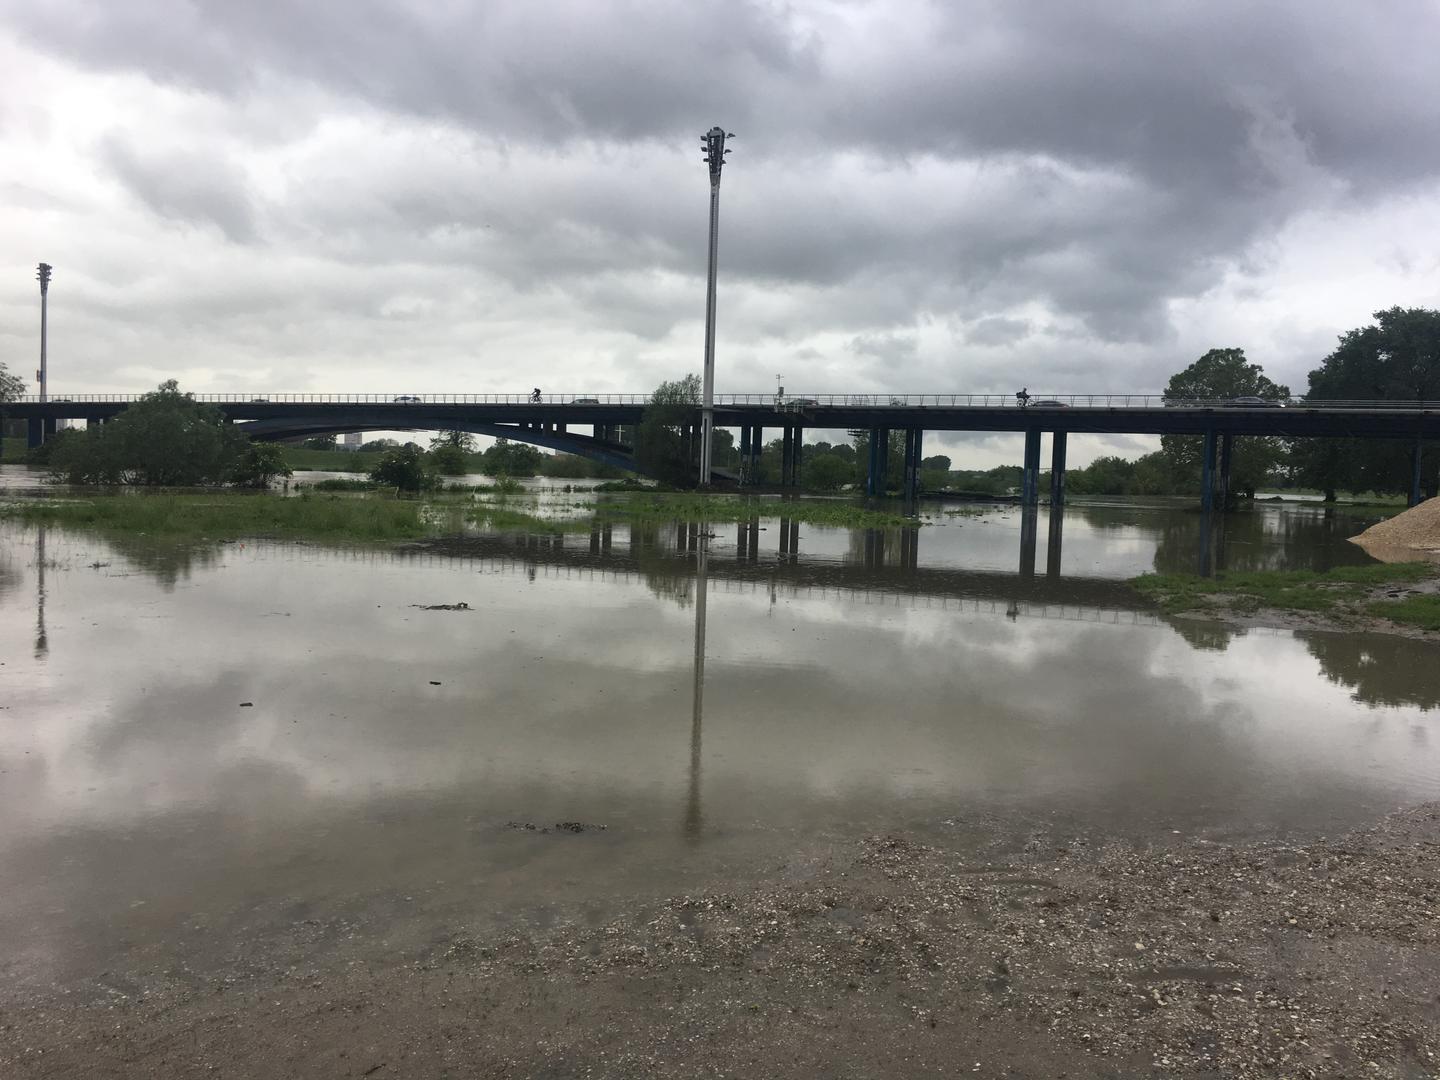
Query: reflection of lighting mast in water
x=42 y=643
x=694 y=816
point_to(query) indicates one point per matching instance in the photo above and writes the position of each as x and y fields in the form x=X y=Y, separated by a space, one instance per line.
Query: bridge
x=593 y=425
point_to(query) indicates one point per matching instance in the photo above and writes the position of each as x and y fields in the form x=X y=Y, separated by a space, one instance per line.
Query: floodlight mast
x=714 y=147
x=42 y=275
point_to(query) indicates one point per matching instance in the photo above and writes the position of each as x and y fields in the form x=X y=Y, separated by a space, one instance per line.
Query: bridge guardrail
x=796 y=401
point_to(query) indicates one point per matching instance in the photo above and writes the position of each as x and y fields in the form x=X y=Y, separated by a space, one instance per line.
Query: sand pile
x=1399 y=538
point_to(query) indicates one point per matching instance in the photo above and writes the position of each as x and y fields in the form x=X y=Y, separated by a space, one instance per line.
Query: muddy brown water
x=202 y=744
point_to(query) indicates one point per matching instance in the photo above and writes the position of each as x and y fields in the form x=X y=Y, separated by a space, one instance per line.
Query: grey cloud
x=185 y=186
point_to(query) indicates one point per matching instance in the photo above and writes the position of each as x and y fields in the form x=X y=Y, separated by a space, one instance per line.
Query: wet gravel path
x=1069 y=958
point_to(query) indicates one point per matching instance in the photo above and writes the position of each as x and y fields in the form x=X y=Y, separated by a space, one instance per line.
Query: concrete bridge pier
x=797 y=455
x=1417 y=455
x=910 y=483
x=1207 y=473
x=1222 y=475
x=1057 y=471
x=1030 y=478
x=35 y=432
x=787 y=456
x=879 y=465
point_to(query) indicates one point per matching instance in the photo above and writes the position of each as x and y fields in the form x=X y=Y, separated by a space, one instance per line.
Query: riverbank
x=1058 y=955
x=1397 y=598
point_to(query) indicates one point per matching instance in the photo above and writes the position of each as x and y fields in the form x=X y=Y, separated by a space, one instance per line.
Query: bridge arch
x=586 y=446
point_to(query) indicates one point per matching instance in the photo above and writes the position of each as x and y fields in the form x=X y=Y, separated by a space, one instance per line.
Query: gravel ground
x=1069 y=957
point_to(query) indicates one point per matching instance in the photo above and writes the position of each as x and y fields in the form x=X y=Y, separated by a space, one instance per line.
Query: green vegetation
x=663 y=447
x=1422 y=611
x=407 y=468
x=1334 y=591
x=228 y=514
x=336 y=483
x=659 y=506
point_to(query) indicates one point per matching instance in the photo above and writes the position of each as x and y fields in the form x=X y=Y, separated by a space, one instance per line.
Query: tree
x=449 y=459
x=406 y=468
x=377 y=446
x=1224 y=374
x=1397 y=359
x=320 y=442
x=662 y=446
x=510 y=459
x=11 y=386
x=258 y=465
x=826 y=472
x=460 y=440
x=165 y=438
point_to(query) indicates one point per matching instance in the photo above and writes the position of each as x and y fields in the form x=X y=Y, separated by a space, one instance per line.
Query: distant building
x=351 y=440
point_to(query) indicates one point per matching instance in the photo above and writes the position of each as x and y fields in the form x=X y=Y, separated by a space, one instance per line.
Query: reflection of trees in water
x=1255 y=540
x=167 y=561
x=1380 y=669
x=660 y=556
x=877 y=548
x=1203 y=634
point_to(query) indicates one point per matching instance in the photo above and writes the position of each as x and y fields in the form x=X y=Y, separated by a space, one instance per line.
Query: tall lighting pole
x=714 y=147
x=42 y=274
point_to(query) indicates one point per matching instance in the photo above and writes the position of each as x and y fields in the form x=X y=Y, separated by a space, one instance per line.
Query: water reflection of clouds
x=566 y=689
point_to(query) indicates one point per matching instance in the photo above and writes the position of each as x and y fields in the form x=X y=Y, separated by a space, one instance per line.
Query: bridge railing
x=796 y=402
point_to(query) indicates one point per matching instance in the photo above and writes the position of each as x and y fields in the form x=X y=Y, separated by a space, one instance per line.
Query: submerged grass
x=1333 y=591
x=722 y=509
x=227 y=514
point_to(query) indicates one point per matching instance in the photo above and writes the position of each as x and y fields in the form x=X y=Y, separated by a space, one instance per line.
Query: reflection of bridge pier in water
x=1029 y=526
x=875 y=543
x=600 y=538
x=789 y=539
x=1055 y=542
x=694 y=810
x=42 y=638
x=747 y=541
x=1211 y=548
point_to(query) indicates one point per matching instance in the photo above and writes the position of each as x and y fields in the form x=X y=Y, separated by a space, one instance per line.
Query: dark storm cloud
x=895 y=161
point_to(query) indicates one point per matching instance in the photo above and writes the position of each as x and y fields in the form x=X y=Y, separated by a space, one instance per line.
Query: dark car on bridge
x=1049 y=403
x=407 y=399
x=585 y=401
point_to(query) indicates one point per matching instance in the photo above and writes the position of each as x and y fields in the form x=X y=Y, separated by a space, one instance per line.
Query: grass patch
x=233 y=515
x=1286 y=590
x=721 y=509
x=336 y=483
x=1421 y=611
x=507 y=519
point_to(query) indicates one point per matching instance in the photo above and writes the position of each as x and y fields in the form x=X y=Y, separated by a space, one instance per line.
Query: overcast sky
x=373 y=195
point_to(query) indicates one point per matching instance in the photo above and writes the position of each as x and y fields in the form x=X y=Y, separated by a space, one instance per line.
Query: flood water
x=200 y=743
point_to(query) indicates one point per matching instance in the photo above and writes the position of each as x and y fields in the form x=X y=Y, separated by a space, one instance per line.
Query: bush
x=259 y=464
x=449 y=460
x=164 y=439
x=407 y=468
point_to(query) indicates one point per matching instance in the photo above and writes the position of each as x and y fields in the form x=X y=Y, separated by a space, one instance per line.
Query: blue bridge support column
x=34 y=432
x=882 y=462
x=1207 y=473
x=1057 y=471
x=1030 y=480
x=874 y=482
x=787 y=456
x=910 y=470
x=1416 y=462
x=1222 y=476
x=797 y=456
